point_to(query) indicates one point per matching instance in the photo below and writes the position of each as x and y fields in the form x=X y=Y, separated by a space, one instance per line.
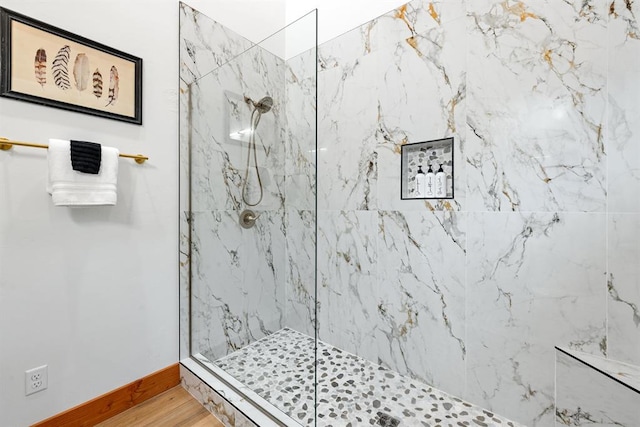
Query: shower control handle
x=248 y=218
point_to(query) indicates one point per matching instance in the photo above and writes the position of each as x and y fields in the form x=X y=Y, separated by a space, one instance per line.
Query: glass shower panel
x=237 y=296
x=252 y=201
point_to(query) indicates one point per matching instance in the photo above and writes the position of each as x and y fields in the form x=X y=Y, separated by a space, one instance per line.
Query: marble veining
x=623 y=290
x=300 y=270
x=536 y=106
x=624 y=183
x=391 y=289
x=300 y=142
x=219 y=113
x=237 y=296
x=624 y=110
x=300 y=191
x=380 y=82
x=535 y=280
x=205 y=45
x=421 y=305
x=531 y=97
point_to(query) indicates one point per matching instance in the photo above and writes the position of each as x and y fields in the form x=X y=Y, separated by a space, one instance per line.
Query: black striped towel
x=86 y=156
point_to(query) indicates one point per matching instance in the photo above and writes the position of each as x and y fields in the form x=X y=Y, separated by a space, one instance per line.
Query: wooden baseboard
x=119 y=400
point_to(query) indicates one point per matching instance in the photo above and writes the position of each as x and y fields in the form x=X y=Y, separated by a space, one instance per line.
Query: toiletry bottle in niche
x=441 y=183
x=430 y=183
x=421 y=181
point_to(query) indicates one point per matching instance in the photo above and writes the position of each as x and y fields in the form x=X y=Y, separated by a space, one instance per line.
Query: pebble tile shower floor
x=351 y=391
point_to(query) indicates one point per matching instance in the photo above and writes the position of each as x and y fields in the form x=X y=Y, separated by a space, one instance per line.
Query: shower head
x=264 y=105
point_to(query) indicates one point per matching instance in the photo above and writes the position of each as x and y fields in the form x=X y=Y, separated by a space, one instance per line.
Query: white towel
x=72 y=188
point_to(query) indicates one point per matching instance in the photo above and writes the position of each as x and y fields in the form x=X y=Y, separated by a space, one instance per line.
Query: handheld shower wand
x=259 y=108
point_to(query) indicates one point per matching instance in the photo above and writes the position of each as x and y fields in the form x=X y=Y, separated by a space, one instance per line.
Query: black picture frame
x=443 y=149
x=92 y=77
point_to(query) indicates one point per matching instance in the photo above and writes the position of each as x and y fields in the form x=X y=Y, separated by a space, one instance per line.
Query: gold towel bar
x=6 y=144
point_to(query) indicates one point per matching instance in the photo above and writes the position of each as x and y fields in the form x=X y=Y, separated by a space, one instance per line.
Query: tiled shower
x=538 y=249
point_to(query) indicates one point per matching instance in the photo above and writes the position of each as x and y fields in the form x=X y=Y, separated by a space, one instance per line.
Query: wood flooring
x=173 y=408
x=110 y=404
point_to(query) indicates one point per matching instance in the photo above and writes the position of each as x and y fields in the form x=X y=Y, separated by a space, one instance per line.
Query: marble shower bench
x=594 y=391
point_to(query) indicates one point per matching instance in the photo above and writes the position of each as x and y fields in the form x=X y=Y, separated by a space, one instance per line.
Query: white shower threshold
x=248 y=404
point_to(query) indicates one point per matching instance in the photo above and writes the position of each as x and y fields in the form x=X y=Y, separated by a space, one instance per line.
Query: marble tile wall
x=471 y=295
x=623 y=155
x=533 y=280
x=391 y=272
x=537 y=106
x=623 y=285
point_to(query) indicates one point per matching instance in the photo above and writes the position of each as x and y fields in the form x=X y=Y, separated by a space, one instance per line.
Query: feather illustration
x=114 y=86
x=97 y=83
x=40 y=65
x=81 y=71
x=60 y=68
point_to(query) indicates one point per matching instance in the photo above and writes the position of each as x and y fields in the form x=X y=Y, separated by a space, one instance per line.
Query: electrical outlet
x=36 y=379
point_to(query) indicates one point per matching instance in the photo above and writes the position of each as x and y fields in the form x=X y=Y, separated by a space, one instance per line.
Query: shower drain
x=386 y=420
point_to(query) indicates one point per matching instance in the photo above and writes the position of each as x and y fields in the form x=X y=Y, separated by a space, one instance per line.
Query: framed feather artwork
x=53 y=67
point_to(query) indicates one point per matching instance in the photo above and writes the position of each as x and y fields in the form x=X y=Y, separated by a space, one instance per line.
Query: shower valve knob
x=248 y=218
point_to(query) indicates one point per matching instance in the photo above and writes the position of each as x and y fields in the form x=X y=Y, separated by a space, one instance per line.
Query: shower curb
x=234 y=408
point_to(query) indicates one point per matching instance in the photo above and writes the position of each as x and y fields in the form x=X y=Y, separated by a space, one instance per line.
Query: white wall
x=253 y=19
x=339 y=16
x=91 y=292
x=259 y=19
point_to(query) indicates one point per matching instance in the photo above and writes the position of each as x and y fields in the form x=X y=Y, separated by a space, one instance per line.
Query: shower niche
x=237 y=123
x=426 y=170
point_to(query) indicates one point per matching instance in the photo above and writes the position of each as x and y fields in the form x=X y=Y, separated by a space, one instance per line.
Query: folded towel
x=85 y=156
x=72 y=188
